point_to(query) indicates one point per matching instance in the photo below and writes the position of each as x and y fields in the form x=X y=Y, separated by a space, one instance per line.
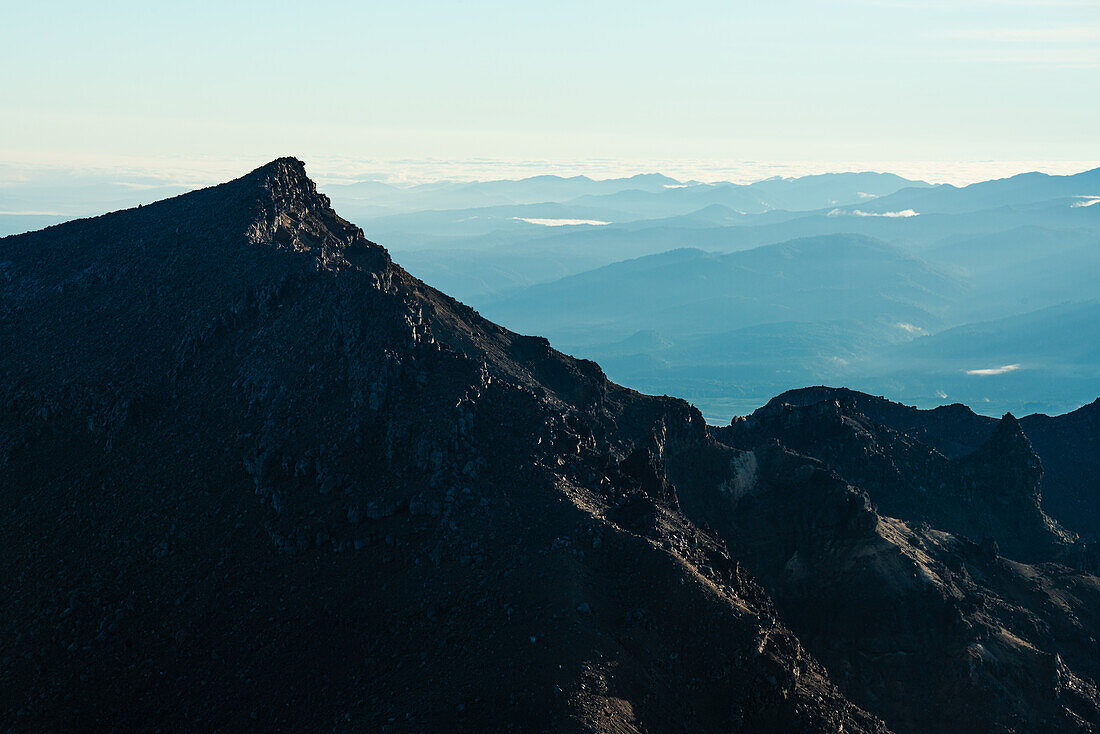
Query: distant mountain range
x=555 y=254
x=689 y=292
x=1017 y=191
x=733 y=327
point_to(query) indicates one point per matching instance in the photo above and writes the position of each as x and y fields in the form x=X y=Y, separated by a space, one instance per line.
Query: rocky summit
x=257 y=477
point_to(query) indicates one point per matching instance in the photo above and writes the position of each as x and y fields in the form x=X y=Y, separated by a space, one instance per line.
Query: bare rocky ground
x=257 y=477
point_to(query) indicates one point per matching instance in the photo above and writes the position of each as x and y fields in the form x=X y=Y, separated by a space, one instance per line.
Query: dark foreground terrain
x=257 y=477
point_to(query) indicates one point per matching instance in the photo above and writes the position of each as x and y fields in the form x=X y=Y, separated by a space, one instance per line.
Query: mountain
x=803 y=193
x=1069 y=445
x=1006 y=250
x=257 y=476
x=1068 y=333
x=902 y=606
x=1036 y=361
x=1020 y=190
x=649 y=195
x=905 y=479
x=740 y=326
x=834 y=277
x=829 y=189
x=371 y=197
x=1065 y=444
x=934 y=632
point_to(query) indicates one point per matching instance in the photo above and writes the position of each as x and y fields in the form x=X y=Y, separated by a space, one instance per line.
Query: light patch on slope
x=987 y=371
x=560 y=222
x=903 y=214
x=911 y=328
x=1085 y=201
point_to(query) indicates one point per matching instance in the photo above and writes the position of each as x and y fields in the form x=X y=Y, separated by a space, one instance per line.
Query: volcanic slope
x=256 y=476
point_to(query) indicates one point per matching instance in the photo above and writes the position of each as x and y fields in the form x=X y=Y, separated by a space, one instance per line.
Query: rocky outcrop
x=931 y=631
x=1067 y=445
x=992 y=492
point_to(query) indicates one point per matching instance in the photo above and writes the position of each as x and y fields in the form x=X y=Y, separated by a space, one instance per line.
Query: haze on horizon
x=951 y=92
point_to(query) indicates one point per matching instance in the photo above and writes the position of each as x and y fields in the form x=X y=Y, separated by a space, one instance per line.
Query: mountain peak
x=284 y=165
x=290 y=212
x=1009 y=437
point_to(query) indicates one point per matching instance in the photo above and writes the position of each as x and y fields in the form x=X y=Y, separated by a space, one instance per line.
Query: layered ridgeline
x=984 y=294
x=256 y=476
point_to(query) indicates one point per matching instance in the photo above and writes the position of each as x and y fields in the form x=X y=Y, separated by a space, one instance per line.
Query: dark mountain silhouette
x=933 y=631
x=1067 y=445
x=991 y=492
x=256 y=476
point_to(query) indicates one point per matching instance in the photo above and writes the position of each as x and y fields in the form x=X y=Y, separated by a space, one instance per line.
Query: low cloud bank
x=986 y=372
x=560 y=222
x=904 y=213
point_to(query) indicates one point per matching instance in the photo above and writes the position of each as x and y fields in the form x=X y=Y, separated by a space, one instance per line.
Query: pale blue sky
x=207 y=83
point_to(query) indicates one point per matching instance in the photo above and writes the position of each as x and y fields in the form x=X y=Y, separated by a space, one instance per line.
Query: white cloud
x=1004 y=369
x=911 y=328
x=560 y=222
x=905 y=213
x=865 y=195
x=941 y=394
x=1086 y=201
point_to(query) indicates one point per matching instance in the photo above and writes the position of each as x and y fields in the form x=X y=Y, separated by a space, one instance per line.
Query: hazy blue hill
x=475 y=277
x=911 y=232
x=459 y=264
x=829 y=189
x=727 y=329
x=645 y=196
x=475 y=267
x=693 y=291
x=712 y=215
x=673 y=202
x=456 y=223
x=1067 y=333
x=1026 y=188
x=1042 y=361
x=735 y=371
x=989 y=253
x=475 y=194
x=801 y=194
x=539 y=189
